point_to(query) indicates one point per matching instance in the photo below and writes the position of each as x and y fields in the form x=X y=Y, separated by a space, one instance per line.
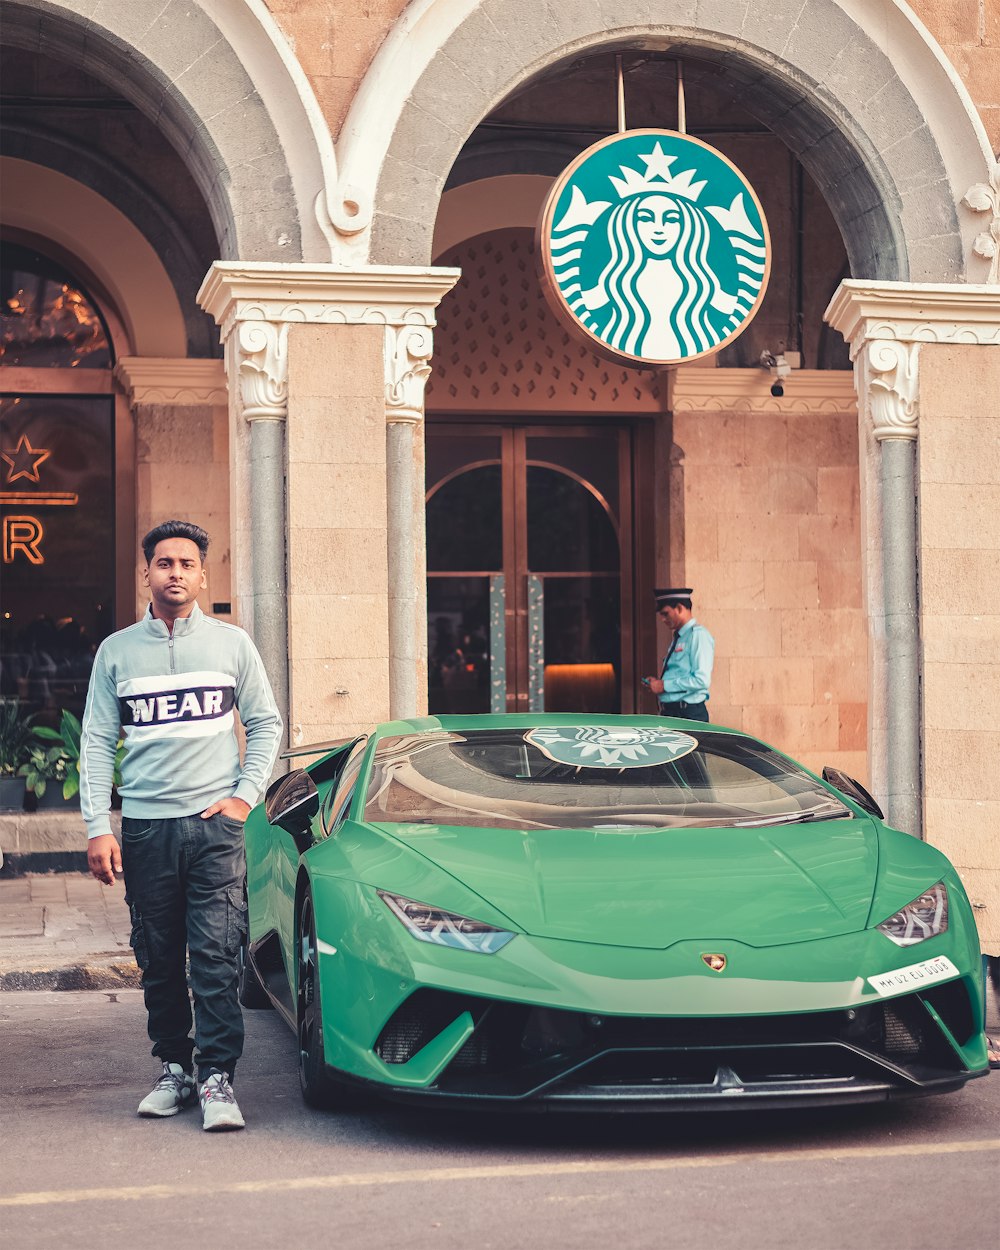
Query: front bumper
x=522 y=1056
x=549 y=1024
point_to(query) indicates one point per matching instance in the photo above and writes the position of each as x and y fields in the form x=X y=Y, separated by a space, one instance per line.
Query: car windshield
x=590 y=777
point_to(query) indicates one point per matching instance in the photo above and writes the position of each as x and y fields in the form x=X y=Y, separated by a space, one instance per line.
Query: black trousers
x=691 y=711
x=185 y=886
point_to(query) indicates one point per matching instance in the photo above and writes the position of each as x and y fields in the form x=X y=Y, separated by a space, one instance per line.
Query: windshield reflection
x=591 y=778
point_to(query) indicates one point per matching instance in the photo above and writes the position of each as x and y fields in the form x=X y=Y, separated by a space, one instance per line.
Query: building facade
x=272 y=267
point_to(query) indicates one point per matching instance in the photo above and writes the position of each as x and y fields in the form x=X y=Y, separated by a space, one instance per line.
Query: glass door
x=530 y=559
x=466 y=586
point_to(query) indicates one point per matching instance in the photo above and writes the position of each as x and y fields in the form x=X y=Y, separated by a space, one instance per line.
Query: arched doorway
x=57 y=481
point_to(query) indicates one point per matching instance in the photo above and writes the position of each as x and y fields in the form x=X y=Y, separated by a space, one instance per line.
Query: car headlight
x=446 y=928
x=924 y=918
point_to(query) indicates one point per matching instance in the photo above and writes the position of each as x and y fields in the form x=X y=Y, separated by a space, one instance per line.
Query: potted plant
x=15 y=742
x=46 y=773
x=60 y=762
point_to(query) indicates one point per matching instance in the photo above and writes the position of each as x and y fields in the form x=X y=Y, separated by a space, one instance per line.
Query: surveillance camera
x=779 y=369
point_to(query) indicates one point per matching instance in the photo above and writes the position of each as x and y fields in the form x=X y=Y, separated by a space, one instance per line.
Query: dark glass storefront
x=57 y=490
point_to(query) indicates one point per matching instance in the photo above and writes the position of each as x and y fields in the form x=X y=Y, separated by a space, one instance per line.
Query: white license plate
x=913 y=976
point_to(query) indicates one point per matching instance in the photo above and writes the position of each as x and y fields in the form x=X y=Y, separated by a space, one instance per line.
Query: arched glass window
x=46 y=320
x=57 y=486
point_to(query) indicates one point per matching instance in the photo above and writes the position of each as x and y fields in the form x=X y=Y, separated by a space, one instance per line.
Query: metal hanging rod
x=681 y=105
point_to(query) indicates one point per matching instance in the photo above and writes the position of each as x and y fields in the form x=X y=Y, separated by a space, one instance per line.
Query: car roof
x=531 y=720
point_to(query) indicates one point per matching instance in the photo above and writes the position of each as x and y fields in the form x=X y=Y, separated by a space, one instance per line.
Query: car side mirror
x=853 y=789
x=291 y=803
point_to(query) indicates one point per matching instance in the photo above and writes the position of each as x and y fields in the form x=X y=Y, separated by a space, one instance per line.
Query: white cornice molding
x=915 y=313
x=260 y=301
x=695 y=388
x=181 y=382
x=323 y=294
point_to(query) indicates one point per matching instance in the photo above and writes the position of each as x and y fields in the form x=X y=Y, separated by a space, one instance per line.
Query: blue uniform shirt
x=687 y=669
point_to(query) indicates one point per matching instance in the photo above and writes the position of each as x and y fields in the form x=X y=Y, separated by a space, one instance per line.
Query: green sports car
x=558 y=911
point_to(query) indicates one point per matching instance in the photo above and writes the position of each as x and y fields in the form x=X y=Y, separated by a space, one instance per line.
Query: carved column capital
x=260 y=358
x=886 y=371
x=408 y=351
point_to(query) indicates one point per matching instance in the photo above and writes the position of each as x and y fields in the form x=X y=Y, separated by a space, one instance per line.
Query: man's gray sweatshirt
x=172 y=696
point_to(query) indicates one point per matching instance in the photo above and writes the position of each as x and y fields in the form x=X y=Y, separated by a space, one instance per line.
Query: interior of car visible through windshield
x=508 y=779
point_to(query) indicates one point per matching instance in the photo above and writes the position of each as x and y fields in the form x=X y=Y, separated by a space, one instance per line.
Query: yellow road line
x=502 y=1171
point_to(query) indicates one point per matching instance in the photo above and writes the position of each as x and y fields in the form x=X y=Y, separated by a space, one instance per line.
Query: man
x=682 y=687
x=171 y=682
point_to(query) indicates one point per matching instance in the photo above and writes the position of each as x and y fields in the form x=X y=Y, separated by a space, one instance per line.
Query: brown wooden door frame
x=635 y=535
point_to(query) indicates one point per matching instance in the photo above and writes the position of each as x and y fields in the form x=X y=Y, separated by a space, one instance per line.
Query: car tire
x=251 y=991
x=319 y=1089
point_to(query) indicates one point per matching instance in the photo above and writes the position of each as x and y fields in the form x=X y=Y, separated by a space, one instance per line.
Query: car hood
x=651 y=888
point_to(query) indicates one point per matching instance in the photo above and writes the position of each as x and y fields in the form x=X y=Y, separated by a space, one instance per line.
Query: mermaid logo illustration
x=595 y=746
x=637 y=255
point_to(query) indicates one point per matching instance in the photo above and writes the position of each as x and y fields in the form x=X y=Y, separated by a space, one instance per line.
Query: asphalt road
x=78 y=1168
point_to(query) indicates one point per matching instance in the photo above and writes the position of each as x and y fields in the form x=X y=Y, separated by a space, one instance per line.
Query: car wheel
x=319 y=1089
x=251 y=990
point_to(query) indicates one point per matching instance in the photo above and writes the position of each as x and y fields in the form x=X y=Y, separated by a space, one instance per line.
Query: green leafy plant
x=66 y=747
x=45 y=765
x=16 y=732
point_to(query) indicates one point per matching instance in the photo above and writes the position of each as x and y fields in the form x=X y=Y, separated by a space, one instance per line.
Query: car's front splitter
x=582 y=1084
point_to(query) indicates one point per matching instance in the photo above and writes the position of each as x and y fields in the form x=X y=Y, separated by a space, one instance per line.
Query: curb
x=114 y=974
x=16 y=864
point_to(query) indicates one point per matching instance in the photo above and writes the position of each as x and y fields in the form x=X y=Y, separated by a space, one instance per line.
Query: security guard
x=682 y=687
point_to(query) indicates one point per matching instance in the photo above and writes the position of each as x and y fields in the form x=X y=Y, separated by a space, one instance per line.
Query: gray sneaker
x=219 y=1108
x=172 y=1092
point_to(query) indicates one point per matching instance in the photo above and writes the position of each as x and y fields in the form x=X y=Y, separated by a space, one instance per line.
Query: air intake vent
x=419 y=1020
x=904 y=1038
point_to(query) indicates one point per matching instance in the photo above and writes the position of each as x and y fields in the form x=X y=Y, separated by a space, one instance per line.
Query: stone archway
x=250 y=138
x=867 y=104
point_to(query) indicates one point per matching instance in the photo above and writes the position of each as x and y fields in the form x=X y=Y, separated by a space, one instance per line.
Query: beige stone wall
x=338 y=627
x=969 y=33
x=182 y=472
x=958 y=452
x=768 y=535
x=334 y=41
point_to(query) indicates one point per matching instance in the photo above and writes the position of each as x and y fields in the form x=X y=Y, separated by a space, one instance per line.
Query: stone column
x=179 y=411
x=257 y=362
x=300 y=341
x=407 y=360
x=890 y=326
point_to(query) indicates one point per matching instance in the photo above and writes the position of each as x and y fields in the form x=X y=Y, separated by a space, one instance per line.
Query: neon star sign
x=24 y=460
x=23 y=534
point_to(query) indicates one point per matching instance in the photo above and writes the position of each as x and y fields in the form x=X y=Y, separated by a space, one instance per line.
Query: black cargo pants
x=184 y=884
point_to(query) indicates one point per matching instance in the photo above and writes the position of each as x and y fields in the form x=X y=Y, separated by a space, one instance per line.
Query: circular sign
x=654 y=247
x=593 y=746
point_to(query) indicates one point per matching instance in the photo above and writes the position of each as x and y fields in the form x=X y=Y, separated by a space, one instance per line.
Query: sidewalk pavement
x=64 y=931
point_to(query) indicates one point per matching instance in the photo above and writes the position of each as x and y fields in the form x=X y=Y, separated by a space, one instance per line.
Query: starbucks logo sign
x=593 y=746
x=655 y=247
